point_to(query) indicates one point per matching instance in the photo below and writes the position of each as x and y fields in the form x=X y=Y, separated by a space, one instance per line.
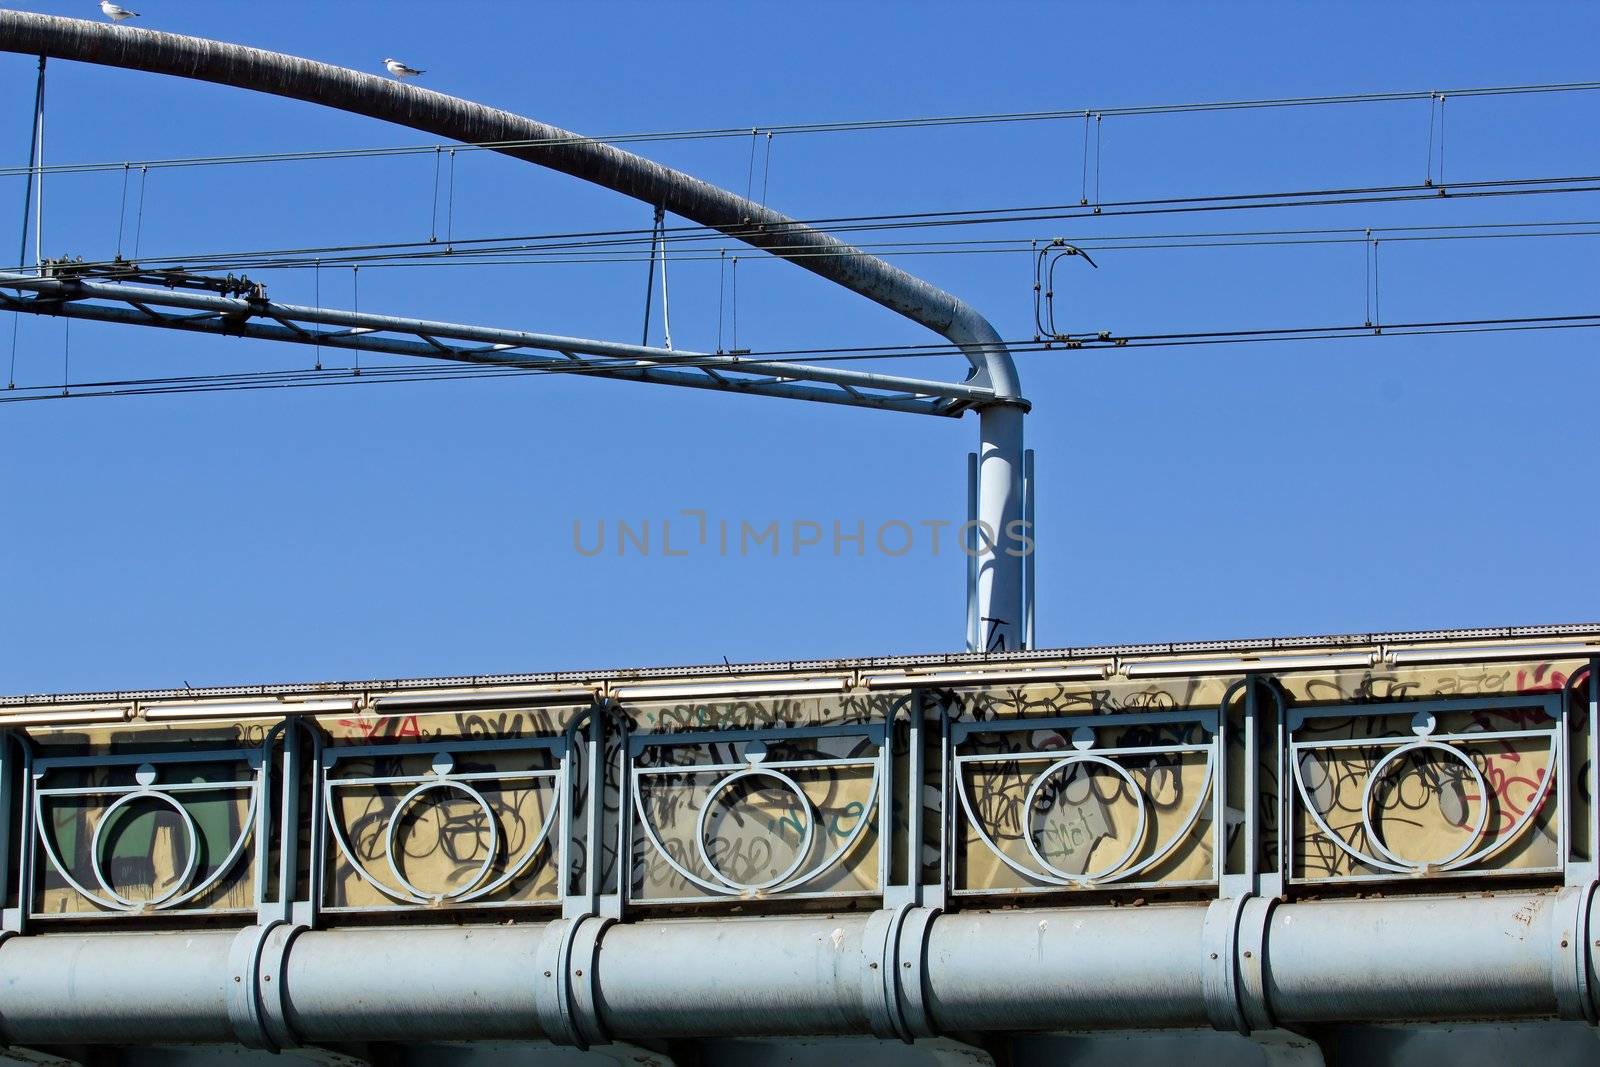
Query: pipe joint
x=1234 y=943
x=894 y=972
x=1575 y=954
x=255 y=997
x=565 y=997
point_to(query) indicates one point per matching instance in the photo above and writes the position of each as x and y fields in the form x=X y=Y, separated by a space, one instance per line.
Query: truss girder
x=267 y=320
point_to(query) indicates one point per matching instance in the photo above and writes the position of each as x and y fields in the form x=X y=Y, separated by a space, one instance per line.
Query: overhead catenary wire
x=845 y=126
x=901 y=221
x=1084 y=344
x=618 y=252
x=658 y=239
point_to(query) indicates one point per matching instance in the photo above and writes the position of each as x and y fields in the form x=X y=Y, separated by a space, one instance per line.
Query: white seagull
x=117 y=13
x=395 y=67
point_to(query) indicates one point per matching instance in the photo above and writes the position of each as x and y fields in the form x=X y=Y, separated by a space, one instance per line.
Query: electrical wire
x=900 y=221
x=588 y=367
x=848 y=126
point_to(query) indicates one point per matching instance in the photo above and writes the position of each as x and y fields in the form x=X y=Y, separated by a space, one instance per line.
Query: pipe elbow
x=992 y=364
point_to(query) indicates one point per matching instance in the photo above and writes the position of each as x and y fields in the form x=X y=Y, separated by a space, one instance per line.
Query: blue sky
x=1185 y=493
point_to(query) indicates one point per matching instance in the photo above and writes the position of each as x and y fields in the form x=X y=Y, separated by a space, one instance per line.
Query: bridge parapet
x=1079 y=781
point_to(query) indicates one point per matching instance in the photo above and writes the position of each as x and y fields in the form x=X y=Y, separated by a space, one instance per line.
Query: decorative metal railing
x=1091 y=782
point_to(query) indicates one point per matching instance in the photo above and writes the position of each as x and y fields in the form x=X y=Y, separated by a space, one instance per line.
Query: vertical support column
x=1030 y=589
x=1579 y=839
x=16 y=771
x=916 y=772
x=282 y=907
x=1283 y=798
x=1246 y=882
x=584 y=827
x=306 y=910
x=1235 y=929
x=1593 y=765
x=967 y=543
x=906 y=783
x=565 y=994
x=12 y=811
x=1000 y=561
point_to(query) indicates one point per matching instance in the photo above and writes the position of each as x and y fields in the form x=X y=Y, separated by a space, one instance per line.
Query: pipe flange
x=564 y=994
x=1233 y=972
x=893 y=964
x=1572 y=964
x=880 y=997
x=1250 y=941
x=256 y=964
x=915 y=1006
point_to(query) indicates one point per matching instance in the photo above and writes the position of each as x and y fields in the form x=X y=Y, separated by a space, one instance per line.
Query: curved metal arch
x=998 y=581
x=514 y=135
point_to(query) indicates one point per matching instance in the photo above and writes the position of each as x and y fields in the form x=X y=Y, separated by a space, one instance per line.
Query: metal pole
x=1030 y=589
x=1000 y=562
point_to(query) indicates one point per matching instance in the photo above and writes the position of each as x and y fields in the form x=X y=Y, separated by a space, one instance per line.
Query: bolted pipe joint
x=566 y=980
x=894 y=955
x=1575 y=953
x=257 y=1007
x=1234 y=949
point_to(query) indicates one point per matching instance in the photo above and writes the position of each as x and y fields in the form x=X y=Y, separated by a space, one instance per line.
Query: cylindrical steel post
x=1000 y=564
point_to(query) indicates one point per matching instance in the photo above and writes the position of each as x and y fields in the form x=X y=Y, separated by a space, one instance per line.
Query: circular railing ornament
x=1069 y=763
x=1377 y=775
x=146 y=777
x=441 y=784
x=807 y=834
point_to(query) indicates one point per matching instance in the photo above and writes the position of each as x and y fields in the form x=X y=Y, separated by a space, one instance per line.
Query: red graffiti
x=406 y=726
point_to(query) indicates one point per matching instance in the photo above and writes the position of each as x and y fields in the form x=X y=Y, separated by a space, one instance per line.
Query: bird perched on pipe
x=117 y=13
x=400 y=70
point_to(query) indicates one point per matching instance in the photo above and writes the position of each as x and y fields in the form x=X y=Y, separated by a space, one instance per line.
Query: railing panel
x=140 y=819
x=445 y=810
x=1430 y=788
x=1075 y=803
x=786 y=798
x=1086 y=784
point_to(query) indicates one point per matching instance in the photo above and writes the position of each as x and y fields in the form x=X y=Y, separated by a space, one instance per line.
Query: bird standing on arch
x=117 y=13
x=400 y=70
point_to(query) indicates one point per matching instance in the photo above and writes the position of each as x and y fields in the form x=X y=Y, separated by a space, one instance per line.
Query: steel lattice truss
x=268 y=320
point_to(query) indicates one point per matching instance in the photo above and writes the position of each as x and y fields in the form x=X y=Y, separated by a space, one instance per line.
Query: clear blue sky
x=400 y=530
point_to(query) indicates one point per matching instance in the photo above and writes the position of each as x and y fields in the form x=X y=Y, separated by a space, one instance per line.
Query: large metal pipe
x=1431 y=958
x=1093 y=968
x=115 y=988
x=1001 y=576
x=442 y=984
x=1402 y=960
x=790 y=976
